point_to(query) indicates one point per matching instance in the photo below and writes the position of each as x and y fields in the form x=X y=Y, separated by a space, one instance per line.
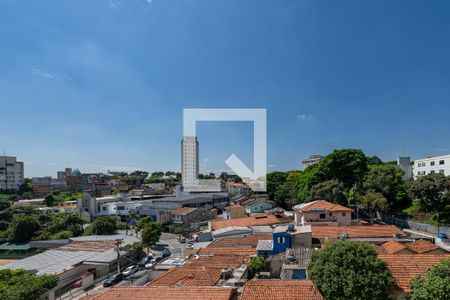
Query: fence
x=407 y=223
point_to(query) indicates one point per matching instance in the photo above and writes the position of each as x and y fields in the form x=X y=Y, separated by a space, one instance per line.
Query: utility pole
x=118 y=242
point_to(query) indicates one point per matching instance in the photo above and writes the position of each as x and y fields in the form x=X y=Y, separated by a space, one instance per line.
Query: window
x=322 y=216
x=441 y=162
x=441 y=171
x=343 y=214
x=432 y=172
x=104 y=208
x=330 y=214
x=121 y=207
x=432 y=163
x=281 y=240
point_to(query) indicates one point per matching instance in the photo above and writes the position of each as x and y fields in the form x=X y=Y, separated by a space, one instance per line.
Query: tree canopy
x=23 y=228
x=24 y=285
x=102 y=226
x=435 y=285
x=432 y=191
x=350 y=270
x=151 y=232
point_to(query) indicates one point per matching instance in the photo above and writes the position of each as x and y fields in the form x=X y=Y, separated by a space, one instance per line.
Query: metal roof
x=14 y=246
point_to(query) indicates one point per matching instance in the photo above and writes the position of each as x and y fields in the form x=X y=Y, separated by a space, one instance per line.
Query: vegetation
x=102 y=226
x=350 y=270
x=151 y=232
x=24 y=285
x=256 y=265
x=23 y=228
x=436 y=284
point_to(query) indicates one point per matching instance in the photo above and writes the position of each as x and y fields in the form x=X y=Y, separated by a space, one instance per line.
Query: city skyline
x=102 y=85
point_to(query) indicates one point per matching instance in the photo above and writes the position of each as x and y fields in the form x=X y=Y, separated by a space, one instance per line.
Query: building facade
x=189 y=161
x=430 y=165
x=11 y=173
x=404 y=163
x=312 y=159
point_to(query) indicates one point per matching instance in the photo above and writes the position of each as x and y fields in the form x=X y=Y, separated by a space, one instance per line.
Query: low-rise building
x=234 y=188
x=246 y=222
x=280 y=290
x=258 y=206
x=416 y=247
x=430 y=165
x=188 y=276
x=233 y=212
x=185 y=216
x=311 y=160
x=322 y=213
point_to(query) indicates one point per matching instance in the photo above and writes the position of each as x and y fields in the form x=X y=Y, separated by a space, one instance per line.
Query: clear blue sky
x=101 y=84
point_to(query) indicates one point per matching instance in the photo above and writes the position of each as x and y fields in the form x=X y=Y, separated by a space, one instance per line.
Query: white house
x=322 y=213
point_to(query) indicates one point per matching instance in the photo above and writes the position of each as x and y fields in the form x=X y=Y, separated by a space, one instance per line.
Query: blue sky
x=101 y=84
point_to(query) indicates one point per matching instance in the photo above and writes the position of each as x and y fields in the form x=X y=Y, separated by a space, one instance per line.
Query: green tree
x=274 y=181
x=286 y=194
x=346 y=165
x=143 y=221
x=435 y=285
x=373 y=202
x=256 y=265
x=386 y=179
x=157 y=174
x=330 y=190
x=23 y=228
x=307 y=178
x=432 y=191
x=347 y=270
x=49 y=200
x=151 y=232
x=102 y=226
x=66 y=222
x=24 y=285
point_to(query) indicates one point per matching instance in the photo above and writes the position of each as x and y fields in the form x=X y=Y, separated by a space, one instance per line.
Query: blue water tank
x=291 y=227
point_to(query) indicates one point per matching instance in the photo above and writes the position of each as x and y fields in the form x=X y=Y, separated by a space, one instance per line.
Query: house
x=417 y=247
x=165 y=293
x=322 y=213
x=295 y=264
x=232 y=231
x=404 y=268
x=233 y=212
x=234 y=188
x=246 y=241
x=258 y=206
x=362 y=233
x=218 y=261
x=185 y=216
x=285 y=237
x=246 y=221
x=188 y=276
x=280 y=290
x=227 y=251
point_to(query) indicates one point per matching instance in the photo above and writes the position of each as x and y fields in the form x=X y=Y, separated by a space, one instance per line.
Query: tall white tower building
x=189 y=161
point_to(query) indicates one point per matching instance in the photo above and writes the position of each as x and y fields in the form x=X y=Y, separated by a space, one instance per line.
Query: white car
x=131 y=270
x=150 y=264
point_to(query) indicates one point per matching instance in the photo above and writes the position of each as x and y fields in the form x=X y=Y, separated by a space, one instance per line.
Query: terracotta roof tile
x=183 y=211
x=325 y=205
x=97 y=246
x=369 y=231
x=405 y=267
x=227 y=251
x=189 y=276
x=218 y=261
x=247 y=221
x=421 y=246
x=392 y=247
x=248 y=241
x=280 y=290
x=164 y=293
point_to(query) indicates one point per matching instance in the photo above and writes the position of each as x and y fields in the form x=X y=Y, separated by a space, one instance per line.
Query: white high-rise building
x=189 y=161
x=11 y=173
x=429 y=165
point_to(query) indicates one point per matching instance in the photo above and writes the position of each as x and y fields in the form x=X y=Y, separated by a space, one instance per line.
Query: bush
x=256 y=265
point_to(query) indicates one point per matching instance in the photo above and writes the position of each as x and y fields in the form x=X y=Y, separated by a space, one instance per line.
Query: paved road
x=174 y=245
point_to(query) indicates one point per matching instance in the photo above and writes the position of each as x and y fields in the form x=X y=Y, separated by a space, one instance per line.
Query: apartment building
x=430 y=165
x=312 y=159
x=11 y=173
x=189 y=161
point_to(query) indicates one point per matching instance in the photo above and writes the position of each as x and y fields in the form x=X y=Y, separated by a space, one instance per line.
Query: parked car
x=442 y=236
x=113 y=279
x=189 y=246
x=144 y=261
x=166 y=252
x=160 y=246
x=131 y=270
x=151 y=263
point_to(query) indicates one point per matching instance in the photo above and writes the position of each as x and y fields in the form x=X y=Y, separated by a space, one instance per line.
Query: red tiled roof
x=218 y=261
x=369 y=231
x=164 y=293
x=189 y=276
x=183 y=211
x=405 y=267
x=280 y=290
x=247 y=241
x=392 y=247
x=233 y=206
x=325 y=205
x=227 y=251
x=247 y=221
x=421 y=246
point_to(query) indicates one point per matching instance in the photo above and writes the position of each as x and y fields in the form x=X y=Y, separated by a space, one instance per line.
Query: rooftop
x=233 y=206
x=189 y=276
x=321 y=205
x=164 y=293
x=405 y=267
x=182 y=211
x=218 y=261
x=421 y=246
x=365 y=231
x=247 y=221
x=247 y=241
x=227 y=251
x=265 y=245
x=280 y=289
x=97 y=246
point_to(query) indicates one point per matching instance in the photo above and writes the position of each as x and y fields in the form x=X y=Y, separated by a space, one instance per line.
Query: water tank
x=291 y=227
